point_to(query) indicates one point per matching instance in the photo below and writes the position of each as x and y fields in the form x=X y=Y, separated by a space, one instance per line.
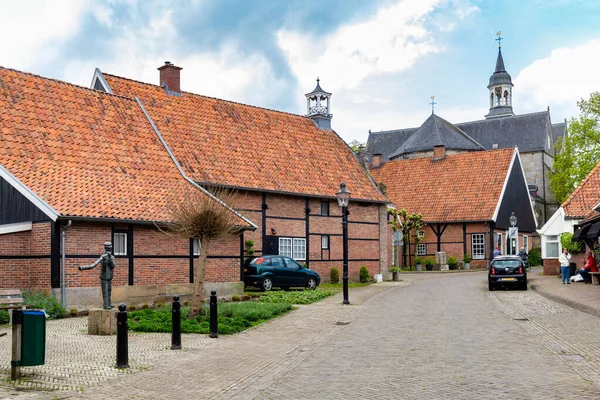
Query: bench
x=595 y=277
x=11 y=299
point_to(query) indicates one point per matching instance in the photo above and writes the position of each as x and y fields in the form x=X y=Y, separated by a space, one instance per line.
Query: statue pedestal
x=102 y=322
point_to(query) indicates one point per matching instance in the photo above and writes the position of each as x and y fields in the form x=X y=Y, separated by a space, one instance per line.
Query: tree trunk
x=196 y=303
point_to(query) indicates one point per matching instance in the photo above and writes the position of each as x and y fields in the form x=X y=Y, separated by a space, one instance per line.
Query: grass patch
x=294 y=296
x=233 y=318
x=337 y=287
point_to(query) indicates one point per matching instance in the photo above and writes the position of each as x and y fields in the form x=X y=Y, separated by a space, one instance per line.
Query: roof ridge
x=581 y=184
x=501 y=118
x=451 y=156
x=65 y=83
x=209 y=97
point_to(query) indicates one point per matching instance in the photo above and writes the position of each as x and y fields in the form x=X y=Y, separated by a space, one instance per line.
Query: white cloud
x=559 y=81
x=389 y=41
x=32 y=31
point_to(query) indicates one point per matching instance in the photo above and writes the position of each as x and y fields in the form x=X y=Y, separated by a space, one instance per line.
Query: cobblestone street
x=432 y=336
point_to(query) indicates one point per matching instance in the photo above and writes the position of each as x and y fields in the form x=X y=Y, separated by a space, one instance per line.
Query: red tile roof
x=585 y=197
x=232 y=144
x=460 y=187
x=84 y=152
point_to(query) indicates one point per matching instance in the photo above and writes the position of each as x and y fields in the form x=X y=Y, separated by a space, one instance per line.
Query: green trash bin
x=33 y=339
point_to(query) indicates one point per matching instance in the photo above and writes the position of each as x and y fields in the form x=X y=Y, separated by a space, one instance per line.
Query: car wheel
x=490 y=287
x=267 y=284
x=311 y=284
x=524 y=286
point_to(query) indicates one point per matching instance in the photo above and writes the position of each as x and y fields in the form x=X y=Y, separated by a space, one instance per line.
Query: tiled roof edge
x=66 y=83
x=581 y=184
x=166 y=146
x=507 y=117
x=212 y=98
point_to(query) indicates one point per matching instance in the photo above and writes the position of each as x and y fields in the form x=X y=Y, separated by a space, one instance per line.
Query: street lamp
x=343 y=198
x=513 y=219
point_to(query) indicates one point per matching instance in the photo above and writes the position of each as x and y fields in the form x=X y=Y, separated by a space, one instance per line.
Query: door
x=271 y=246
x=279 y=271
x=294 y=272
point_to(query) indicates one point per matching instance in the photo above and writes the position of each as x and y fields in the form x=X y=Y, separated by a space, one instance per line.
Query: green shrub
x=249 y=247
x=246 y=297
x=132 y=308
x=429 y=261
x=159 y=304
x=419 y=260
x=232 y=318
x=41 y=302
x=236 y=298
x=73 y=312
x=334 y=276
x=145 y=306
x=363 y=275
x=467 y=258
x=295 y=296
x=452 y=262
x=535 y=256
x=566 y=240
x=4 y=318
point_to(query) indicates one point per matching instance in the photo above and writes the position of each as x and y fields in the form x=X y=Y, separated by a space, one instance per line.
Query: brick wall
x=551 y=266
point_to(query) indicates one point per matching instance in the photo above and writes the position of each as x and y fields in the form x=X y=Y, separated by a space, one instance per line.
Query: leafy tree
x=356 y=146
x=410 y=224
x=205 y=217
x=578 y=152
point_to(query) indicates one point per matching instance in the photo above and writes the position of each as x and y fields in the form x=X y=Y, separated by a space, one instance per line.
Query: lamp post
x=513 y=219
x=343 y=198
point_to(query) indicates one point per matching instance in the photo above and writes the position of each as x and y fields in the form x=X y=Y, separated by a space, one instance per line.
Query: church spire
x=500 y=88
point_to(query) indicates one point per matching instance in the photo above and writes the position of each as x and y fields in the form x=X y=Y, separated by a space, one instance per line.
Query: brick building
x=109 y=159
x=533 y=134
x=466 y=200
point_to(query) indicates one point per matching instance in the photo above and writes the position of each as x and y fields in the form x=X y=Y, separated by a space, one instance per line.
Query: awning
x=594 y=231
x=580 y=234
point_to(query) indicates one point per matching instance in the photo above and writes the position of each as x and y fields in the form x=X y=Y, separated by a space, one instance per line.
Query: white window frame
x=285 y=247
x=526 y=243
x=422 y=249
x=499 y=239
x=196 y=247
x=116 y=250
x=294 y=248
x=549 y=241
x=477 y=245
x=325 y=242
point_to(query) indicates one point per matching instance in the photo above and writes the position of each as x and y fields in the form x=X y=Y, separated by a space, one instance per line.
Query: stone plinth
x=102 y=322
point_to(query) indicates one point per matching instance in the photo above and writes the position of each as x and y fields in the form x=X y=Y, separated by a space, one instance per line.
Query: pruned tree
x=578 y=151
x=206 y=218
x=410 y=224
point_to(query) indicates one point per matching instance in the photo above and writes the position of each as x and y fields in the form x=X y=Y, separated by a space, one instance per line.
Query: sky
x=381 y=59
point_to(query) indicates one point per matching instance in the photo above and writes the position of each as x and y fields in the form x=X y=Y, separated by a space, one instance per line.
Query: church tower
x=318 y=107
x=500 y=89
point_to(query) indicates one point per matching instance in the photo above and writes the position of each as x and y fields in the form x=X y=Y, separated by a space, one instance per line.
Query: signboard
x=398 y=236
x=513 y=232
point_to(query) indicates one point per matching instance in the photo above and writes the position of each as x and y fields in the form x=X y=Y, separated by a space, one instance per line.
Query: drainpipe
x=63 y=284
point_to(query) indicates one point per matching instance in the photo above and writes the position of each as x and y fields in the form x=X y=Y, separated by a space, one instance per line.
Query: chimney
x=439 y=152
x=376 y=160
x=170 y=78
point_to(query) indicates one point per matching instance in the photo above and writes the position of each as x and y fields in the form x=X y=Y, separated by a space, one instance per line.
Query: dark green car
x=268 y=272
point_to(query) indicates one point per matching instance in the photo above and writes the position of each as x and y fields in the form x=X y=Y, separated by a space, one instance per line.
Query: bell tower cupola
x=318 y=107
x=500 y=88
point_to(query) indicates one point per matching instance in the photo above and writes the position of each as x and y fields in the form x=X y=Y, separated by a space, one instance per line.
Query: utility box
x=33 y=342
x=440 y=258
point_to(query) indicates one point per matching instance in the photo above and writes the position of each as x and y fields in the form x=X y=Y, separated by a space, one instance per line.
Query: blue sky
x=382 y=60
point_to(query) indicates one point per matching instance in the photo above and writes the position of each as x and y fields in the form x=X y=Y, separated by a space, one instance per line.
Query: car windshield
x=506 y=263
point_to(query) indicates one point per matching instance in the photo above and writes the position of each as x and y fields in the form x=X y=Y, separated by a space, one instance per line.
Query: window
x=498 y=240
x=196 y=245
x=285 y=247
x=552 y=246
x=325 y=242
x=526 y=243
x=421 y=249
x=478 y=246
x=120 y=244
x=324 y=208
x=292 y=248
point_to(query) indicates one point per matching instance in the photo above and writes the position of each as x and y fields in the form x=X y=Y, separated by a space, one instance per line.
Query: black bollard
x=214 y=324
x=176 y=322
x=122 y=346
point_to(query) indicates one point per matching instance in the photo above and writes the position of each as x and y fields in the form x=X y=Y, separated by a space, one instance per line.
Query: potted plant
x=452 y=262
x=467 y=260
x=395 y=271
x=429 y=263
x=419 y=262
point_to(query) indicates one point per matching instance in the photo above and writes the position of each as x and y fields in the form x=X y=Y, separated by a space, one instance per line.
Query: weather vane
x=499 y=39
x=433 y=103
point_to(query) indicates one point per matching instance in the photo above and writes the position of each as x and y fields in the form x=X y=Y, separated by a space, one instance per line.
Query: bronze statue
x=107 y=260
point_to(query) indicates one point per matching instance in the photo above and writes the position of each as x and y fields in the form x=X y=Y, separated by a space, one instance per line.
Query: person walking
x=565 y=266
x=497 y=252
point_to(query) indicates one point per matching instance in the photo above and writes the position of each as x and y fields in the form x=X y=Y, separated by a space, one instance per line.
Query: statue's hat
x=107 y=244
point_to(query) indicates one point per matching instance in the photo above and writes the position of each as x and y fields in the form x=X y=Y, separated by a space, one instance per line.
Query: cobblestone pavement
x=433 y=336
